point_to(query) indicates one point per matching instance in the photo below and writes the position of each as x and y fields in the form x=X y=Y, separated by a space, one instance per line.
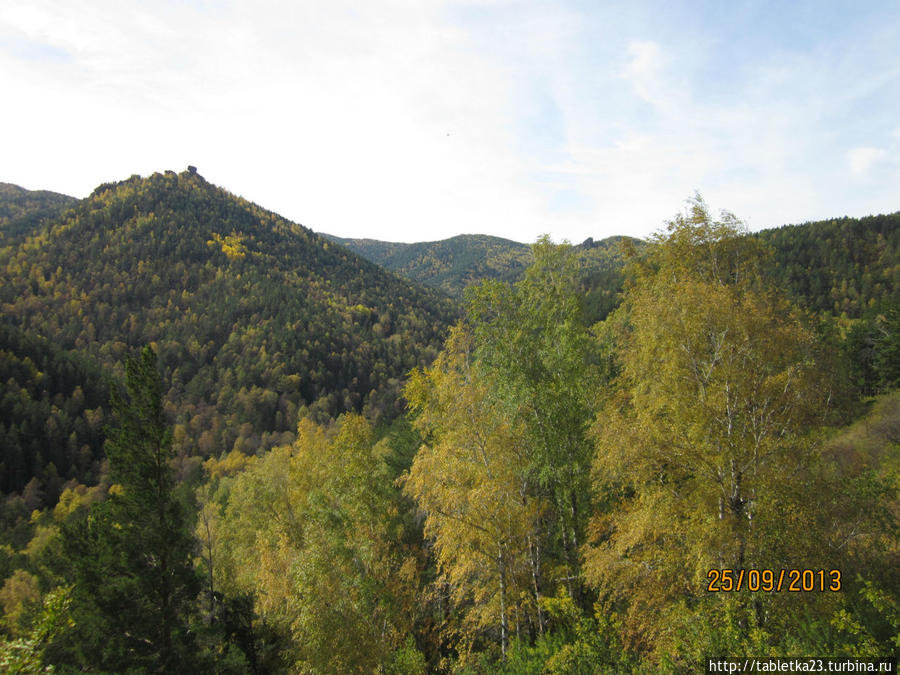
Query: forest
x=230 y=445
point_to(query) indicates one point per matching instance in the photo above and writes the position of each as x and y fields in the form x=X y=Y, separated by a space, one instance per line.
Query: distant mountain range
x=451 y=265
x=841 y=266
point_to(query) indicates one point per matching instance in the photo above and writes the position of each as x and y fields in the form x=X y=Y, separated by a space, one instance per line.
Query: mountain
x=450 y=265
x=255 y=319
x=258 y=320
x=22 y=211
x=842 y=266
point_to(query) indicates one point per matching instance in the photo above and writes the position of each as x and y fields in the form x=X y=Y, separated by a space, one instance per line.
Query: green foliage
x=252 y=333
x=407 y=660
x=52 y=408
x=332 y=568
x=840 y=266
x=886 y=348
x=541 y=544
x=452 y=265
x=130 y=556
x=22 y=211
x=502 y=476
x=533 y=340
x=25 y=655
x=449 y=265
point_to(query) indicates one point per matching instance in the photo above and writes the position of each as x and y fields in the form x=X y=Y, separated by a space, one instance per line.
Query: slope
x=256 y=319
x=451 y=265
x=22 y=211
x=842 y=266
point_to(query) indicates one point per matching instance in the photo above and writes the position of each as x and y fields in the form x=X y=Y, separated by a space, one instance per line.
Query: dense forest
x=452 y=265
x=22 y=211
x=845 y=267
x=230 y=445
x=255 y=321
x=840 y=266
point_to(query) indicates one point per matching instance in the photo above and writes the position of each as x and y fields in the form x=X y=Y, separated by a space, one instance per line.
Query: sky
x=415 y=120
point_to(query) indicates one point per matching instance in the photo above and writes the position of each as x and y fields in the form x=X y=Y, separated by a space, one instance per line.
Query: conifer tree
x=131 y=555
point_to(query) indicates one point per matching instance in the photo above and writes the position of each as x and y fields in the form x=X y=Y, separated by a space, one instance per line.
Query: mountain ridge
x=257 y=320
x=840 y=265
x=452 y=264
x=22 y=210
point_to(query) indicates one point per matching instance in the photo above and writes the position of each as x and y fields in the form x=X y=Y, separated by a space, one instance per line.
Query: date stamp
x=792 y=581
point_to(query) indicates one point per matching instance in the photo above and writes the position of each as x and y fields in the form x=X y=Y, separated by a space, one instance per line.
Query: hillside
x=258 y=319
x=22 y=211
x=521 y=487
x=842 y=266
x=451 y=265
x=254 y=318
x=52 y=413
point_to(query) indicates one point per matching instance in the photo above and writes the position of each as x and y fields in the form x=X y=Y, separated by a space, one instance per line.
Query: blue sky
x=412 y=120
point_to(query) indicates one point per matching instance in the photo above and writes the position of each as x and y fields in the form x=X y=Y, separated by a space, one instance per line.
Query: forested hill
x=254 y=317
x=842 y=266
x=562 y=495
x=450 y=264
x=21 y=210
x=453 y=264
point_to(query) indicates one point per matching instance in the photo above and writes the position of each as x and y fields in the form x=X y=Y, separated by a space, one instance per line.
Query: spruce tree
x=131 y=555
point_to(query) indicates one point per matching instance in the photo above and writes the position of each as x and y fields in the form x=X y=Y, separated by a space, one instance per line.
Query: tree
x=887 y=347
x=532 y=341
x=135 y=585
x=470 y=480
x=704 y=447
x=25 y=655
x=314 y=532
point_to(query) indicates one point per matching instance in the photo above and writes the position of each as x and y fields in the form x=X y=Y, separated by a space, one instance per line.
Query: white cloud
x=861 y=160
x=412 y=120
x=643 y=70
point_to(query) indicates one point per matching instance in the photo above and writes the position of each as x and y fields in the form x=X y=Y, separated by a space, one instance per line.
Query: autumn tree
x=703 y=446
x=470 y=480
x=314 y=532
x=532 y=341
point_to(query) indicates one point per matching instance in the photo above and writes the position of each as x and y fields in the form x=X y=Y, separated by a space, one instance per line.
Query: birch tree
x=703 y=445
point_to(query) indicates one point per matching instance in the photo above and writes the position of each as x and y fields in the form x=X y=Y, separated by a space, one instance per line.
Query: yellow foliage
x=232 y=245
x=702 y=449
x=74 y=497
x=19 y=593
x=468 y=481
x=230 y=465
x=312 y=530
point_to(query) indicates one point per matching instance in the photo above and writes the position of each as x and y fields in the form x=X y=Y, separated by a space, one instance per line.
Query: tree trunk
x=504 y=627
